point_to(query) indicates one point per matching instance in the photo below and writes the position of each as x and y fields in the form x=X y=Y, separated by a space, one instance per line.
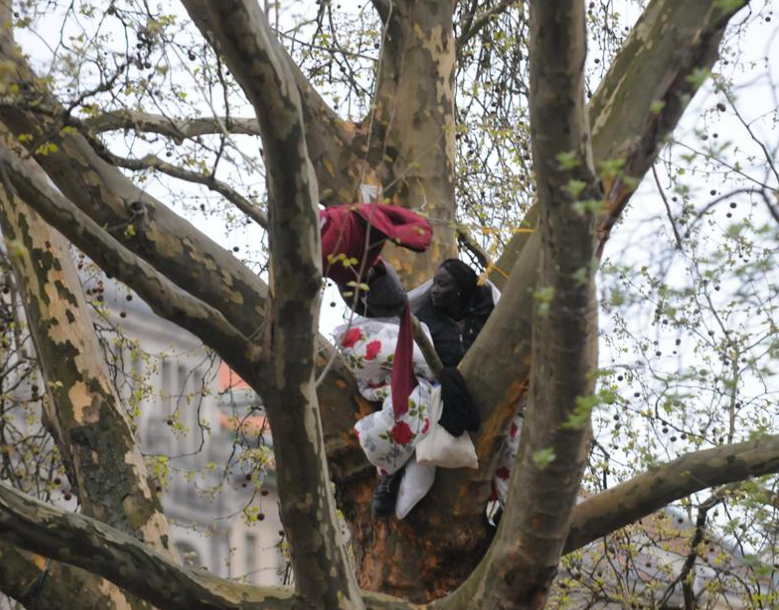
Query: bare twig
x=677 y=237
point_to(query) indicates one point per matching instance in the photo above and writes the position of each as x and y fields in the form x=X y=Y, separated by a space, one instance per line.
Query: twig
x=667 y=208
x=428 y=351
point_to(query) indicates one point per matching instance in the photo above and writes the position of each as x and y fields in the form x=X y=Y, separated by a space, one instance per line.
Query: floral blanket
x=368 y=345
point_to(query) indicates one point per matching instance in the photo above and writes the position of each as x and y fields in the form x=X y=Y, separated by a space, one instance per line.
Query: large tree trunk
x=414 y=126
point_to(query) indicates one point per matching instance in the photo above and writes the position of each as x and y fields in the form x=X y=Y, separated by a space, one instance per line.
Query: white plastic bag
x=439 y=448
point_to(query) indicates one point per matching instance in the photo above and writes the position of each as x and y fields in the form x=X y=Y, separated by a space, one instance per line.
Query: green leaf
x=698 y=77
x=656 y=107
x=568 y=160
x=543 y=457
x=574 y=187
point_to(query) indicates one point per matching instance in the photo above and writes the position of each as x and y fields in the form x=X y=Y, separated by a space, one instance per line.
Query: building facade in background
x=205 y=435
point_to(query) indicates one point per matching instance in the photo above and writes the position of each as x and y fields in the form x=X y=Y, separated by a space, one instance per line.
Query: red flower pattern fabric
x=388 y=437
x=352 y=336
x=507 y=458
x=372 y=349
x=401 y=433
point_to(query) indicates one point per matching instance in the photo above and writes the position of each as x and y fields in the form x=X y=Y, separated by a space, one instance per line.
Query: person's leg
x=386 y=494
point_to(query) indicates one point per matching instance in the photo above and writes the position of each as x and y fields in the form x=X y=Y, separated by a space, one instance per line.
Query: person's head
x=454 y=283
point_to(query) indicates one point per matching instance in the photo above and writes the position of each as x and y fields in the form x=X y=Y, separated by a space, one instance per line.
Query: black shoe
x=386 y=494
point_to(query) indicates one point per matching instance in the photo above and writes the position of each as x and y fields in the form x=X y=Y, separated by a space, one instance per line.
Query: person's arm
x=385 y=297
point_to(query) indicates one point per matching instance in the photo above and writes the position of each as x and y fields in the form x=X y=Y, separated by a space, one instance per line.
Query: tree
x=587 y=159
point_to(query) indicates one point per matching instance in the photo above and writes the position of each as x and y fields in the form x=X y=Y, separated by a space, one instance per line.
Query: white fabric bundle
x=439 y=448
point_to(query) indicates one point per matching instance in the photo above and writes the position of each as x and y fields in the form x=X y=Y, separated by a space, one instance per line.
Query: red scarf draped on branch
x=352 y=238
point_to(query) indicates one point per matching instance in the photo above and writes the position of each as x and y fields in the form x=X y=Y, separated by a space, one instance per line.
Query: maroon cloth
x=345 y=230
x=402 y=380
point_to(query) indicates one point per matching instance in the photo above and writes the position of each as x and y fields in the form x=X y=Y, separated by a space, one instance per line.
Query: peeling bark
x=89 y=423
x=414 y=126
x=40 y=584
x=434 y=557
x=433 y=562
x=521 y=564
x=163 y=296
x=177 y=250
x=156 y=234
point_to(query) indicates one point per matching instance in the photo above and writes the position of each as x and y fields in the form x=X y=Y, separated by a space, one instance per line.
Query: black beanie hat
x=463 y=275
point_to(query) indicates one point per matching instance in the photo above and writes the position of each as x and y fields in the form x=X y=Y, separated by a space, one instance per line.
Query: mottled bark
x=99 y=549
x=693 y=37
x=42 y=584
x=643 y=95
x=413 y=125
x=164 y=297
x=521 y=564
x=137 y=220
x=85 y=416
x=130 y=564
x=109 y=472
x=433 y=561
x=684 y=37
x=176 y=249
x=323 y=577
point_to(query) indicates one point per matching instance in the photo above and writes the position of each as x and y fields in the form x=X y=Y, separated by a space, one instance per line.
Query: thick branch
x=173 y=246
x=652 y=490
x=323 y=576
x=165 y=299
x=670 y=42
x=168 y=242
x=521 y=564
x=102 y=550
x=40 y=584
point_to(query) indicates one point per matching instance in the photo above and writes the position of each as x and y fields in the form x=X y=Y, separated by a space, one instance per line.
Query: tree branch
x=176 y=249
x=40 y=584
x=208 y=180
x=176 y=129
x=85 y=416
x=466 y=240
x=639 y=102
x=684 y=576
x=483 y=19
x=128 y=563
x=522 y=561
x=102 y=550
x=644 y=494
x=382 y=8
x=165 y=299
x=165 y=240
x=323 y=575
x=671 y=41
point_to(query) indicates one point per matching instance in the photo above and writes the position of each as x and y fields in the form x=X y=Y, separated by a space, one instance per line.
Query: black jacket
x=449 y=344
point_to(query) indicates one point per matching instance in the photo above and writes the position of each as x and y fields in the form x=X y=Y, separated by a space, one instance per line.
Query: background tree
x=393 y=76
